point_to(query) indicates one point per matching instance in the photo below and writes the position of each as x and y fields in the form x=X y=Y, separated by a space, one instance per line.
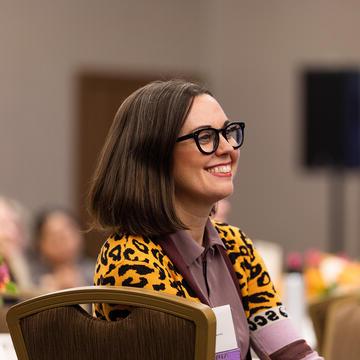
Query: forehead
x=58 y=220
x=205 y=111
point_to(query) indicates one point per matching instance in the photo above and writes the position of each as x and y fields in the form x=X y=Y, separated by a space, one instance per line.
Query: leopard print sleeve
x=134 y=261
x=257 y=289
x=272 y=333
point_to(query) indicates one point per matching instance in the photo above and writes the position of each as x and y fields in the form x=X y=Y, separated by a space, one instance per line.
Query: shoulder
x=226 y=230
x=128 y=247
x=233 y=237
x=127 y=260
x=239 y=246
x=138 y=261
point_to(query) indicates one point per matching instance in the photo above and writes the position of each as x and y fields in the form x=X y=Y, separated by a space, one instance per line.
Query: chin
x=227 y=191
x=221 y=195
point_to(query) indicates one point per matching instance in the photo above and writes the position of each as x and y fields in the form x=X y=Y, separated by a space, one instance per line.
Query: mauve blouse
x=212 y=276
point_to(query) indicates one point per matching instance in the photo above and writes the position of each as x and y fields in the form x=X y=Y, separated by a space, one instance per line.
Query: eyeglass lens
x=208 y=139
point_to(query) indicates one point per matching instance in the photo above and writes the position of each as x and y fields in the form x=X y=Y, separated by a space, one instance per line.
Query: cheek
x=186 y=161
x=46 y=247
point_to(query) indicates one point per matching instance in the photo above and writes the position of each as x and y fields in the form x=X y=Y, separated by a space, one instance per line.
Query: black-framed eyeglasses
x=207 y=139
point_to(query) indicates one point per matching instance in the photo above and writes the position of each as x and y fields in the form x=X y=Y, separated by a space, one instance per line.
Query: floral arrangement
x=6 y=285
x=328 y=274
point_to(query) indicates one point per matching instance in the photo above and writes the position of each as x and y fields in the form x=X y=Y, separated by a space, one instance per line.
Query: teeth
x=220 y=169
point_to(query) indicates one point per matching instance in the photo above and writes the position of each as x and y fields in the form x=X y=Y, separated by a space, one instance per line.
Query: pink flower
x=4 y=274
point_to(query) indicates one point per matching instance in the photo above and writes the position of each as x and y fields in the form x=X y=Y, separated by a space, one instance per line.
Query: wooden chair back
x=342 y=331
x=159 y=326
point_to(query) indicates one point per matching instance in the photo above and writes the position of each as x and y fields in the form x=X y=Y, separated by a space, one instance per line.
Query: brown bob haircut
x=132 y=190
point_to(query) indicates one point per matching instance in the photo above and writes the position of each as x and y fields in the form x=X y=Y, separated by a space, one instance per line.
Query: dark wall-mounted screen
x=331 y=118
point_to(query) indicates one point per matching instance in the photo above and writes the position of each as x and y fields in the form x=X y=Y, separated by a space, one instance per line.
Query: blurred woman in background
x=60 y=260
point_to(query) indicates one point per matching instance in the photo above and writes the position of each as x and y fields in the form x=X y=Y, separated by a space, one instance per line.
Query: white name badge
x=226 y=345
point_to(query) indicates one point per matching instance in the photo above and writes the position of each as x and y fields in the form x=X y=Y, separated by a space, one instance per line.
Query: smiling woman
x=170 y=156
x=201 y=181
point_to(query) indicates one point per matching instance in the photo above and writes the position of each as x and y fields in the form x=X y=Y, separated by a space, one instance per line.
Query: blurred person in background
x=60 y=261
x=170 y=156
x=14 y=242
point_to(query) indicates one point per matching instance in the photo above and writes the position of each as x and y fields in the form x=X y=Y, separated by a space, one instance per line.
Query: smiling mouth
x=223 y=169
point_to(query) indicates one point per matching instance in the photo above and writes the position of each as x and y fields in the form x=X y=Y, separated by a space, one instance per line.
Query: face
x=61 y=239
x=202 y=180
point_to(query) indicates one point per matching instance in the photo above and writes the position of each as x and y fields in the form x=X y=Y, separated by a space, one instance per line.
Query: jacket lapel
x=171 y=251
x=230 y=268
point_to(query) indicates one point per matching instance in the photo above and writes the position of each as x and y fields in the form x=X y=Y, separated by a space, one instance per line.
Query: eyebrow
x=226 y=122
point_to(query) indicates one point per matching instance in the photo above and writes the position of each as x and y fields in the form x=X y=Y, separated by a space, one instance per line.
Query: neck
x=194 y=220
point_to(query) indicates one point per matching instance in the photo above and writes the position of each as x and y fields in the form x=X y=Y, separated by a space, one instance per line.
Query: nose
x=224 y=146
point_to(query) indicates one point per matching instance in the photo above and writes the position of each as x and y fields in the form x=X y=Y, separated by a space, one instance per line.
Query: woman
x=60 y=262
x=170 y=156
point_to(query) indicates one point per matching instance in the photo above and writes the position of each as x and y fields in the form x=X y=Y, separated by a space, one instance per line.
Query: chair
x=159 y=326
x=319 y=314
x=341 y=338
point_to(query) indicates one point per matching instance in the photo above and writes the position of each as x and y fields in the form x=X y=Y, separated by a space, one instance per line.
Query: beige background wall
x=249 y=52
x=44 y=46
x=261 y=47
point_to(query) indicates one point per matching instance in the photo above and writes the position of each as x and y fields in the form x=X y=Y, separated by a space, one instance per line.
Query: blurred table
x=6 y=348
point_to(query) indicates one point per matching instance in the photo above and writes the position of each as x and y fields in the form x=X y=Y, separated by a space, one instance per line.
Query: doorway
x=99 y=97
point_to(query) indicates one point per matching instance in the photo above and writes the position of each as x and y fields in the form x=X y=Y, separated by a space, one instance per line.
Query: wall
x=44 y=45
x=250 y=52
x=260 y=50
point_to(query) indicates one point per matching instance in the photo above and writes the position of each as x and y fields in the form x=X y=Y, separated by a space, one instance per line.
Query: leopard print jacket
x=137 y=261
